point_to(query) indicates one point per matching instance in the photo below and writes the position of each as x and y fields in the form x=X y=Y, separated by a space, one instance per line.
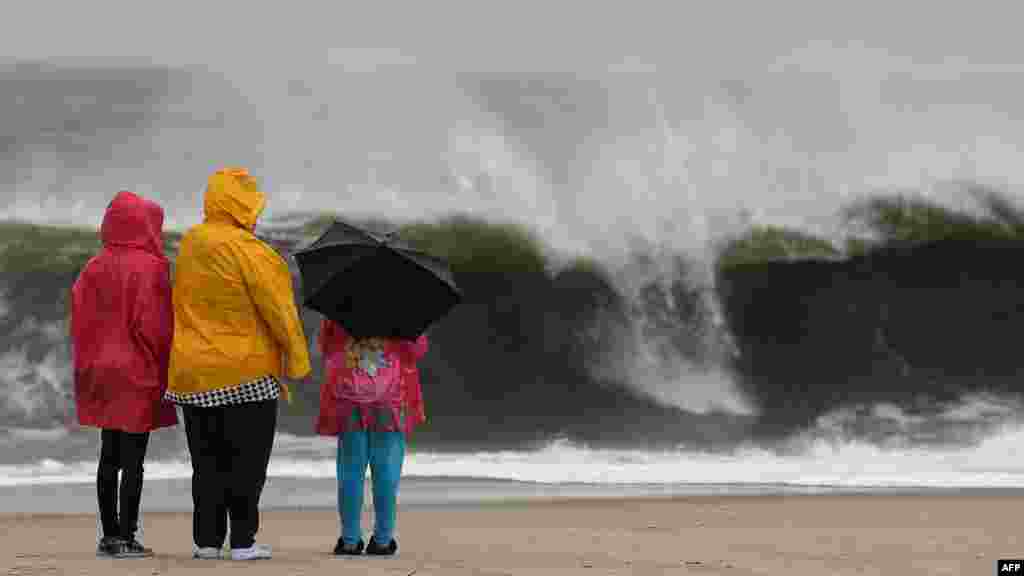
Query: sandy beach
x=779 y=535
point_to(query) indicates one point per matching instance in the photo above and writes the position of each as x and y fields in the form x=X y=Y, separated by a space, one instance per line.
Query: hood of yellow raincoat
x=233 y=197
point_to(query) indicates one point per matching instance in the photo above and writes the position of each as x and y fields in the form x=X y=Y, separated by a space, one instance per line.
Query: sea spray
x=813 y=460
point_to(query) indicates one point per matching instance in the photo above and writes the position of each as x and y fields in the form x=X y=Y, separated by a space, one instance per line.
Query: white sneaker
x=256 y=552
x=207 y=553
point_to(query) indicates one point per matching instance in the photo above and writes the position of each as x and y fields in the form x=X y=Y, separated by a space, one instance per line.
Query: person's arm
x=326 y=339
x=154 y=319
x=333 y=338
x=74 y=295
x=270 y=285
x=70 y=304
x=416 y=349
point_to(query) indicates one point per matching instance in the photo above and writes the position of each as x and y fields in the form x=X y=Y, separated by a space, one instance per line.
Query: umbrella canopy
x=375 y=285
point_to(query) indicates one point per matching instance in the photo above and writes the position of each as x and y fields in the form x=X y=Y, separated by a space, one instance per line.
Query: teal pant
x=384 y=452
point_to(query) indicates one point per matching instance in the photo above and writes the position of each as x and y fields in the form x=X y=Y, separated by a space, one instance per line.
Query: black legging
x=230 y=448
x=120 y=452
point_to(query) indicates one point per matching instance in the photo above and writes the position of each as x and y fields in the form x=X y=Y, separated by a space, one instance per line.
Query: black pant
x=124 y=452
x=230 y=448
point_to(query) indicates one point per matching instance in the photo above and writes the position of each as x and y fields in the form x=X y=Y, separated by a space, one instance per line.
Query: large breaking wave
x=647 y=363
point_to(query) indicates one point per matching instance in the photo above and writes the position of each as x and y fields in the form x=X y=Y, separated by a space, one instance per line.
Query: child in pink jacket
x=370 y=399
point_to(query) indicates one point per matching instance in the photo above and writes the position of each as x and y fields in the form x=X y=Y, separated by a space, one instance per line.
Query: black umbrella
x=375 y=285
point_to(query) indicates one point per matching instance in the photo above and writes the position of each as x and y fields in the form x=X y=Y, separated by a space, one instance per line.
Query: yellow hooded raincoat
x=234 y=308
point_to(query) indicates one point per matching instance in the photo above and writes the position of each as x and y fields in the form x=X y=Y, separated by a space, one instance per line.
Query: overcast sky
x=578 y=117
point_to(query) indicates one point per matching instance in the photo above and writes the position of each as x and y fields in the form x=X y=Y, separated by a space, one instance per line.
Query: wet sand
x=762 y=534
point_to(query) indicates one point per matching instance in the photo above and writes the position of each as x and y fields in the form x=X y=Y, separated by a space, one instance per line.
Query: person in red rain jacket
x=122 y=323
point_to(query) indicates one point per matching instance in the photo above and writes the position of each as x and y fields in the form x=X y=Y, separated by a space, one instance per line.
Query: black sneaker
x=343 y=549
x=375 y=549
x=133 y=549
x=109 y=546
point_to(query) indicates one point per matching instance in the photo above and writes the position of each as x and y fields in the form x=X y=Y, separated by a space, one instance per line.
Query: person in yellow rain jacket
x=236 y=332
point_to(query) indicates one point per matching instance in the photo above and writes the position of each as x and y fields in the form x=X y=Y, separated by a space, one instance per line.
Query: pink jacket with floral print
x=376 y=377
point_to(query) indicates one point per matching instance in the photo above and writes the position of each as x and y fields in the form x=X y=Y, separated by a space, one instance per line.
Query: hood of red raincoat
x=132 y=221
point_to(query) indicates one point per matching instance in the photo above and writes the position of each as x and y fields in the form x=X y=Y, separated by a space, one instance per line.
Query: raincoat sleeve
x=70 y=397
x=154 y=321
x=332 y=338
x=415 y=350
x=270 y=286
x=75 y=308
x=412 y=352
x=323 y=340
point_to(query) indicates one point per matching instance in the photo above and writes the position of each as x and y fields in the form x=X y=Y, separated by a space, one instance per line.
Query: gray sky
x=579 y=118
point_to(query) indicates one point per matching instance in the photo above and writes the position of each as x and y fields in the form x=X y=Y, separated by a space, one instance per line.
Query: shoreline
x=288 y=493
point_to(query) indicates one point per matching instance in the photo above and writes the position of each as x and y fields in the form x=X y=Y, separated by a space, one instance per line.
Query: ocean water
x=992 y=462
x=601 y=164
x=302 y=475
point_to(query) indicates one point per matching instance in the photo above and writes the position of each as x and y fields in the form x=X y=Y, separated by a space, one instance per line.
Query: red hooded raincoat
x=122 y=323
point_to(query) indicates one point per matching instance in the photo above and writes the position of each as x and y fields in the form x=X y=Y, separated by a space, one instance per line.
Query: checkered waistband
x=262 y=388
